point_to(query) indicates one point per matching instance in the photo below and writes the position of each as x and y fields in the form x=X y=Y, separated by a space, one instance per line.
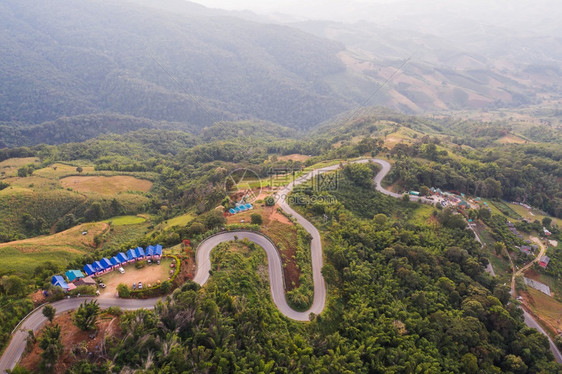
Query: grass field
x=178 y=221
x=505 y=209
x=421 y=214
x=124 y=234
x=510 y=139
x=106 y=185
x=9 y=167
x=23 y=256
x=294 y=157
x=125 y=220
x=47 y=204
x=549 y=310
x=56 y=171
x=532 y=214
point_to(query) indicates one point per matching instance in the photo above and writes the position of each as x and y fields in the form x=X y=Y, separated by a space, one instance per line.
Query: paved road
x=34 y=321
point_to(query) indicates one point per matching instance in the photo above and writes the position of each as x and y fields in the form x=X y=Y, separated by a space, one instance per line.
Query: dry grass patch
x=546 y=309
x=56 y=171
x=511 y=139
x=10 y=166
x=106 y=185
x=294 y=157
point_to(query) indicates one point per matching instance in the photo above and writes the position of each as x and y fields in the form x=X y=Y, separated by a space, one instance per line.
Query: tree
x=79 y=169
x=166 y=286
x=405 y=197
x=13 y=285
x=49 y=311
x=86 y=315
x=269 y=201
x=123 y=290
x=50 y=343
x=360 y=174
x=424 y=190
x=484 y=213
x=256 y=219
x=116 y=208
x=94 y=212
x=546 y=221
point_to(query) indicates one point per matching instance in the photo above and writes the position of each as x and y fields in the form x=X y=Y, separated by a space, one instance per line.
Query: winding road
x=35 y=320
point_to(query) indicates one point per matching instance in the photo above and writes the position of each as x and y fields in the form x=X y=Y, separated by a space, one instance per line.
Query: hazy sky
x=521 y=16
x=313 y=9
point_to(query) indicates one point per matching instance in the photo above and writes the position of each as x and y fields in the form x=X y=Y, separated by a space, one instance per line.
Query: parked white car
x=121 y=270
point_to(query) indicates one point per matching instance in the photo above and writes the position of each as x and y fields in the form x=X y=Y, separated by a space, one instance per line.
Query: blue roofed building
x=89 y=269
x=122 y=257
x=106 y=264
x=131 y=255
x=115 y=261
x=149 y=251
x=140 y=253
x=59 y=281
x=73 y=275
x=158 y=251
x=98 y=266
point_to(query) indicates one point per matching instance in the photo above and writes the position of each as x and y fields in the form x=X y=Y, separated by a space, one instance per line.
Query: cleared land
x=23 y=256
x=106 y=185
x=57 y=170
x=148 y=275
x=294 y=157
x=9 y=167
x=511 y=139
x=547 y=309
x=125 y=220
x=178 y=221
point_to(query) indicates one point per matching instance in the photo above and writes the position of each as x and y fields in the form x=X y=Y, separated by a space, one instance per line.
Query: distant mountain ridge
x=196 y=66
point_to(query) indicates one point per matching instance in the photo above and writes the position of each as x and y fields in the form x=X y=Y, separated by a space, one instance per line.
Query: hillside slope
x=66 y=58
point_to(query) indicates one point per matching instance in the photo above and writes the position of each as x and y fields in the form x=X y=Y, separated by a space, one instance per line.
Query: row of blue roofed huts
x=76 y=277
x=135 y=254
x=240 y=208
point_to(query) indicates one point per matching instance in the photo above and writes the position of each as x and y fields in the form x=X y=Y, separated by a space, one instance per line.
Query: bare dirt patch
x=148 y=275
x=106 y=185
x=78 y=344
x=294 y=157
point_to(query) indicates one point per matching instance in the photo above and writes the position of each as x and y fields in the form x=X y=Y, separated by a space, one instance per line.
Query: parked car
x=149 y=261
x=134 y=286
x=158 y=262
x=121 y=270
x=140 y=286
x=102 y=285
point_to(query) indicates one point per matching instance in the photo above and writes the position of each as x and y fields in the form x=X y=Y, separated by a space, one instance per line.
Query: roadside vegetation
x=407 y=287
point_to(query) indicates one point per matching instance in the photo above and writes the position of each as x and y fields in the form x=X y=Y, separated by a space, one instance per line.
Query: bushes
x=256 y=218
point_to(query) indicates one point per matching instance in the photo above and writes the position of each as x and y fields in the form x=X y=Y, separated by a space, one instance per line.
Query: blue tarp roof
x=115 y=261
x=98 y=266
x=89 y=269
x=249 y=206
x=232 y=211
x=131 y=254
x=149 y=251
x=140 y=252
x=59 y=281
x=73 y=274
x=158 y=250
x=122 y=257
x=105 y=263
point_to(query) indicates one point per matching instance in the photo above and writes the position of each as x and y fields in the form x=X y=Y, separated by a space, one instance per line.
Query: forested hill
x=196 y=66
